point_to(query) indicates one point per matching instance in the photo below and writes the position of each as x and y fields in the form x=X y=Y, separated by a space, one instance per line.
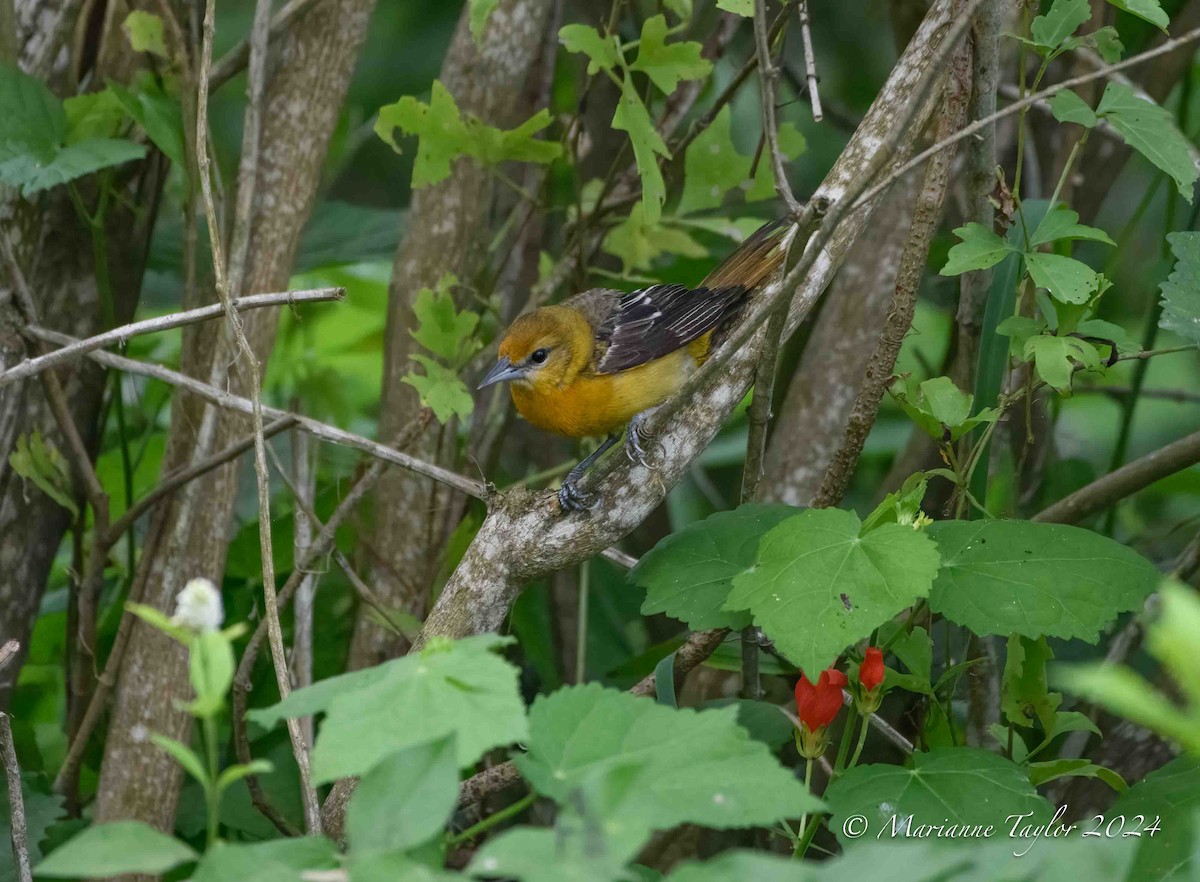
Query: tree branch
x=768 y=78
x=16 y=801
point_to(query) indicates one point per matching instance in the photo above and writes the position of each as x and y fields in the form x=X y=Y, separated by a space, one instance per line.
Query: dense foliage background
x=394 y=657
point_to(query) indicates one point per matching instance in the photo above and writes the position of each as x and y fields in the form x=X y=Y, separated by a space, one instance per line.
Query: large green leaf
x=747 y=865
x=1181 y=290
x=112 y=849
x=282 y=860
x=819 y=585
x=712 y=166
x=955 y=785
x=405 y=799
x=648 y=766
x=1067 y=279
x=688 y=575
x=668 y=63
x=451 y=687
x=1170 y=795
x=1063 y=223
x=1062 y=19
x=1150 y=130
x=978 y=249
x=1148 y=10
x=35 y=123
x=601 y=51
x=576 y=850
x=1004 y=577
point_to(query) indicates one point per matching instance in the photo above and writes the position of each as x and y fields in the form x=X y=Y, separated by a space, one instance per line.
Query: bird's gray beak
x=501 y=372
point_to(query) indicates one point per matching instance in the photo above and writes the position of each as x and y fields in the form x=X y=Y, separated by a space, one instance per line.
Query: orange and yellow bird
x=602 y=360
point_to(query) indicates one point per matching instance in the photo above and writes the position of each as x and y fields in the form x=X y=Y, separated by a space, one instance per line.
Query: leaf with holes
x=1063 y=223
x=1055 y=358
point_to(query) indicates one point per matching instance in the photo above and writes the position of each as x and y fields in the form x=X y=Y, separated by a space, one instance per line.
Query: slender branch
x=810 y=63
x=8 y=652
x=16 y=801
x=968 y=131
x=768 y=78
x=120 y=335
x=1125 y=481
x=303 y=482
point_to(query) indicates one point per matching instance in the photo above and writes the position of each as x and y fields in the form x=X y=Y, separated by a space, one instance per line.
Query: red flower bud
x=818 y=705
x=870 y=672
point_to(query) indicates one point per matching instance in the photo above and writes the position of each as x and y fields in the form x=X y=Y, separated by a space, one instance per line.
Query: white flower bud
x=198 y=606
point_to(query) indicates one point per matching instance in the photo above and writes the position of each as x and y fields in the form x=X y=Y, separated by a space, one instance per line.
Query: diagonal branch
x=768 y=80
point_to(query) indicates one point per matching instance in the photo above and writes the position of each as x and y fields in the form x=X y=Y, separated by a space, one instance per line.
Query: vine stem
x=492 y=820
x=858 y=748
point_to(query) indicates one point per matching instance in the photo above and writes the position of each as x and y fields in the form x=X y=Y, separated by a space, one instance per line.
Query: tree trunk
x=449 y=226
x=303 y=97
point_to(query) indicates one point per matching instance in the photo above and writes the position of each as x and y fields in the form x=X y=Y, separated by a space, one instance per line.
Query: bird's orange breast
x=601 y=404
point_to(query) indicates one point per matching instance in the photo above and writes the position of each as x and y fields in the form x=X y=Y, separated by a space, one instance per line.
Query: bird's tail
x=763 y=252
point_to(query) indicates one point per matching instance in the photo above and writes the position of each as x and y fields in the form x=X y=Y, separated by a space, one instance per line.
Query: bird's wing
x=655 y=321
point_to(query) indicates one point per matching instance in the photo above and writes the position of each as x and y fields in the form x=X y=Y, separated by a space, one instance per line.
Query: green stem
x=211 y=797
x=862 y=740
x=803 y=840
x=843 y=747
x=492 y=820
x=582 y=633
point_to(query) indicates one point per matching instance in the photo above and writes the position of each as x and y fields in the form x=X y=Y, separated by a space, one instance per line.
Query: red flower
x=818 y=705
x=870 y=672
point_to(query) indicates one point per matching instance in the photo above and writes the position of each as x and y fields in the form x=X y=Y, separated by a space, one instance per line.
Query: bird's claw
x=634 y=436
x=571 y=498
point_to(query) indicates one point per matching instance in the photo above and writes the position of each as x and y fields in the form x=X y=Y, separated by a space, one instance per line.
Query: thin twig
x=968 y=131
x=810 y=63
x=304 y=478
x=16 y=801
x=120 y=335
x=768 y=78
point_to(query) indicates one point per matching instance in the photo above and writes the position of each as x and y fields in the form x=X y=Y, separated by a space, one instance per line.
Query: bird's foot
x=635 y=436
x=571 y=498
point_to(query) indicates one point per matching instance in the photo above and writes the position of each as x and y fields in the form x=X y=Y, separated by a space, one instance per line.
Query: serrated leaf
x=1181 y=290
x=1032 y=579
x=281 y=860
x=440 y=389
x=979 y=248
x=631 y=116
x=601 y=51
x=1055 y=358
x=1067 y=279
x=451 y=687
x=145 y=33
x=1150 y=130
x=34 y=120
x=1068 y=107
x=405 y=799
x=1063 y=223
x=441 y=327
x=639 y=243
x=819 y=585
x=71 y=162
x=668 y=63
x=1147 y=10
x=480 y=11
x=647 y=766
x=111 y=849
x=1059 y=22
x=957 y=785
x=689 y=574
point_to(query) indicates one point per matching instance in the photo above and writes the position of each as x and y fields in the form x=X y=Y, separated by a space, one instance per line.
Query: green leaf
x=1051 y=770
x=232 y=774
x=1107 y=43
x=639 y=243
x=712 y=166
x=441 y=328
x=183 y=755
x=1147 y=10
x=1170 y=797
x=480 y=10
x=405 y=800
x=1171 y=638
x=819 y=585
x=93 y=115
x=648 y=766
x=1068 y=107
x=631 y=116
x=745 y=865
x=111 y=849
x=492 y=146
x=145 y=33
x=449 y=687
x=744 y=8
x=1123 y=692
x=440 y=389
x=35 y=123
x=1181 y=290
x=1062 y=20
x=69 y=163
x=395 y=867
x=957 y=785
x=1024 y=694
x=1020 y=328
x=158 y=114
x=980 y=248
x=281 y=860
x=667 y=64
x=938 y=406
x=1150 y=130
x=576 y=850
x=39 y=461
x=210 y=667
x=1063 y=223
x=1055 y=358
x=42 y=812
x=689 y=574
x=1002 y=577
x=601 y=51
x=1067 y=279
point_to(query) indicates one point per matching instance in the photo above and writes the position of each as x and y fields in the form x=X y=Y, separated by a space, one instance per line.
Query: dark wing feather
x=655 y=321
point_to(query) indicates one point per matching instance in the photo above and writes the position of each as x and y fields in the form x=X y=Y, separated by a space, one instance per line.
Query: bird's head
x=543 y=348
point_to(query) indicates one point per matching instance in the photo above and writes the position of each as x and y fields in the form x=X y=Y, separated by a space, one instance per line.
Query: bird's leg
x=635 y=435
x=570 y=497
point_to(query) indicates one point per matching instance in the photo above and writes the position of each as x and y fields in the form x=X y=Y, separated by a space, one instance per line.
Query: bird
x=602 y=361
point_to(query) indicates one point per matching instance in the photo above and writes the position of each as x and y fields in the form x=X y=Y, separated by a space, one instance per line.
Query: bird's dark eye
x=539 y=356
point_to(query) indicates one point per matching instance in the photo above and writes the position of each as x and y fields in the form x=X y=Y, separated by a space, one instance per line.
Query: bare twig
x=768 y=77
x=968 y=131
x=232 y=62
x=120 y=335
x=810 y=63
x=16 y=801
x=1125 y=481
x=305 y=484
